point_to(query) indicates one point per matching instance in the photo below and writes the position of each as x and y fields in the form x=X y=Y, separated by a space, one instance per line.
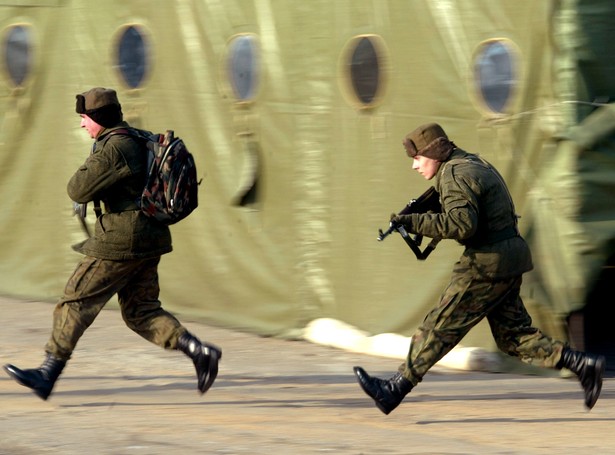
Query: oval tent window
x=365 y=70
x=495 y=76
x=17 y=54
x=242 y=67
x=132 y=57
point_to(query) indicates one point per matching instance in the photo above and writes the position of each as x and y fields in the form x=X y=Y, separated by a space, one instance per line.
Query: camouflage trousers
x=463 y=304
x=92 y=285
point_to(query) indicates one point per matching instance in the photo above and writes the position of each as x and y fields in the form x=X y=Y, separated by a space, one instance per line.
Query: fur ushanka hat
x=428 y=140
x=101 y=105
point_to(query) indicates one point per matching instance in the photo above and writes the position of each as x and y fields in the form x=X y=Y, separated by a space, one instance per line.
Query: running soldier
x=478 y=212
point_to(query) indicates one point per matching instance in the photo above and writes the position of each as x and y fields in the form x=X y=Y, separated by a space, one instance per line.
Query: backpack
x=170 y=193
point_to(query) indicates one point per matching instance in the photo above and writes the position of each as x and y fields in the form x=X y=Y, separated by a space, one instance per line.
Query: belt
x=121 y=206
x=498 y=236
x=491 y=237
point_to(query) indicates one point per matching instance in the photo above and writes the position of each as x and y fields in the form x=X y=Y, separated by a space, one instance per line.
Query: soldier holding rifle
x=477 y=210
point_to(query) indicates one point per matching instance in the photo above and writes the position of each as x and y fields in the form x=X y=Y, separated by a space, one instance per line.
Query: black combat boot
x=41 y=380
x=205 y=358
x=386 y=393
x=589 y=368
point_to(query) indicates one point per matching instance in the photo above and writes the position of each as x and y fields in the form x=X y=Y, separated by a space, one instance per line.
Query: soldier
x=120 y=258
x=478 y=212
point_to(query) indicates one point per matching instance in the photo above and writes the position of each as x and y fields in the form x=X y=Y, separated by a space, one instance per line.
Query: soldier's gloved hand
x=392 y=220
x=404 y=220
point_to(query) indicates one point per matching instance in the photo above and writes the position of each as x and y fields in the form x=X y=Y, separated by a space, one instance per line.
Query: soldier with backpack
x=121 y=257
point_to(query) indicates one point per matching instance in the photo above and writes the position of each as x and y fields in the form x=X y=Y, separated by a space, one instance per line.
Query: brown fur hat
x=101 y=105
x=428 y=140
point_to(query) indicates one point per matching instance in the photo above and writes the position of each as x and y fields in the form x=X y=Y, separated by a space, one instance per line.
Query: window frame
x=476 y=86
x=31 y=60
x=148 y=62
x=257 y=75
x=347 y=85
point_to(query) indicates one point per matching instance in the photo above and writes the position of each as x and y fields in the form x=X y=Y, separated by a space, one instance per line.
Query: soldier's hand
x=404 y=220
x=393 y=220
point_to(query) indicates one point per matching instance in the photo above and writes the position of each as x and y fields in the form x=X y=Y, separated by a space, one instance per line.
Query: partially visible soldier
x=478 y=212
x=120 y=258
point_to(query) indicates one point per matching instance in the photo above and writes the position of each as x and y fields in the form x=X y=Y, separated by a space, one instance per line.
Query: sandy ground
x=121 y=395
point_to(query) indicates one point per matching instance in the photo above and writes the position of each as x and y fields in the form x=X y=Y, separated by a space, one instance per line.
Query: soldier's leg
x=143 y=313
x=512 y=329
x=511 y=326
x=464 y=303
x=87 y=291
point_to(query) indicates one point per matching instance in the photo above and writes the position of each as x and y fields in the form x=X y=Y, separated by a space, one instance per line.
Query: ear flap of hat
x=439 y=149
x=410 y=147
x=80 y=108
x=428 y=140
x=107 y=116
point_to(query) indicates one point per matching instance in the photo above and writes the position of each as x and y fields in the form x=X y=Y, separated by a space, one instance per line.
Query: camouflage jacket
x=115 y=174
x=478 y=212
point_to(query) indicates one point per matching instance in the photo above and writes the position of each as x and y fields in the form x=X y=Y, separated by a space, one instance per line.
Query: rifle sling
x=414 y=244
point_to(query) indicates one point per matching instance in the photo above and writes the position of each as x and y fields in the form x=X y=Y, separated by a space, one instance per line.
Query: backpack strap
x=124 y=131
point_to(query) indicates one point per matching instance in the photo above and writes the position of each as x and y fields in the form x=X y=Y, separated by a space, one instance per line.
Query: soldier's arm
x=100 y=171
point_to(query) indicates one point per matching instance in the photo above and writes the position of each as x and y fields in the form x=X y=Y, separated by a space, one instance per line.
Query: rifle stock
x=429 y=201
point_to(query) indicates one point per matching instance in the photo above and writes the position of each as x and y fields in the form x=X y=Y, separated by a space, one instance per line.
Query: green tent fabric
x=300 y=147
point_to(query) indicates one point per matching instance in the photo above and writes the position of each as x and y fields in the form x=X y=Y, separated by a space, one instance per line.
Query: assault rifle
x=80 y=211
x=426 y=202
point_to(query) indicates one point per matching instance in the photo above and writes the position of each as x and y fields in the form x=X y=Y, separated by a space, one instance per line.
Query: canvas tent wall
x=295 y=112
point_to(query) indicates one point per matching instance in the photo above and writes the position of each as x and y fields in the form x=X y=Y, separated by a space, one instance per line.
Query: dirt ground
x=121 y=395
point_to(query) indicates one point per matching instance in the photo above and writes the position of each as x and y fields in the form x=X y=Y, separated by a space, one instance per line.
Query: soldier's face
x=427 y=167
x=91 y=126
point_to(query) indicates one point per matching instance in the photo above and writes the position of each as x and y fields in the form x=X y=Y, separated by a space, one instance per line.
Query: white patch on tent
x=334 y=333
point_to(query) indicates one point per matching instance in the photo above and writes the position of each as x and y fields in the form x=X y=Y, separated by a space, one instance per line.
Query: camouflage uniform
x=123 y=254
x=477 y=211
x=120 y=258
